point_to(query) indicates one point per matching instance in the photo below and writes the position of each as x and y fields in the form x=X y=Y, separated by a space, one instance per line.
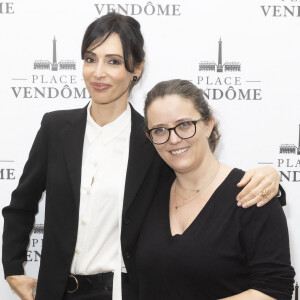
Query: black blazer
x=54 y=165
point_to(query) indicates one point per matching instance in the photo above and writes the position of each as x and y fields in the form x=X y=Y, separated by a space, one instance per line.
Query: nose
x=99 y=70
x=174 y=138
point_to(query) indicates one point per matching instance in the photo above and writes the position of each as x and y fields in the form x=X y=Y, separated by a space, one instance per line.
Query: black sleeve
x=19 y=216
x=282 y=198
x=264 y=236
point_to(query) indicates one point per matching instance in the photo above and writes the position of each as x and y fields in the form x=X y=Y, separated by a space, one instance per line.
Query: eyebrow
x=176 y=122
x=107 y=55
x=89 y=52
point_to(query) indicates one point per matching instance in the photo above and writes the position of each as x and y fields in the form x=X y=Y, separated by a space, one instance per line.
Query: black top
x=225 y=251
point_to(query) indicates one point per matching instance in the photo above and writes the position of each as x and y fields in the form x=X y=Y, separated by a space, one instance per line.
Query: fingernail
x=259 y=204
x=244 y=205
x=238 y=198
x=239 y=204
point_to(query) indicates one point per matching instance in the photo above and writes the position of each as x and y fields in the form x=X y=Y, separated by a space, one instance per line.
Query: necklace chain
x=197 y=191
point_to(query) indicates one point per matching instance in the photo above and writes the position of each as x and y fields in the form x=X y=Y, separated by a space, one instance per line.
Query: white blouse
x=103 y=173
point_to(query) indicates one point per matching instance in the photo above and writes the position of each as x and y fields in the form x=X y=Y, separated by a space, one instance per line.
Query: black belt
x=101 y=281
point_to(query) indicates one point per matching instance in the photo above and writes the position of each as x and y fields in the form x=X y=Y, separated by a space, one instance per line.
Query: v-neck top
x=225 y=250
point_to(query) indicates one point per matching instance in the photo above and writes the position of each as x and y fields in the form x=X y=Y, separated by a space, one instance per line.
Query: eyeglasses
x=184 y=130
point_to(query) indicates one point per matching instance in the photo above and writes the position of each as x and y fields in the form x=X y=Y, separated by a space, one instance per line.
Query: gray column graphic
x=54 y=61
x=220 y=66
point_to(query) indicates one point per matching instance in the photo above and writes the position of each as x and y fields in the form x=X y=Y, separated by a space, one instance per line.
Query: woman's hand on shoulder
x=22 y=285
x=260 y=186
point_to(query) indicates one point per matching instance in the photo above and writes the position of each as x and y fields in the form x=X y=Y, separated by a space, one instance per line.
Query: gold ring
x=77 y=284
x=264 y=193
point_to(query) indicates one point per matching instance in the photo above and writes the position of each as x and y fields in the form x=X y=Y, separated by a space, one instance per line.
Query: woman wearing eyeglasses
x=196 y=243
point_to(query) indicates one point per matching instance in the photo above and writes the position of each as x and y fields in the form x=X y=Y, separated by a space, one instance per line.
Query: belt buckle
x=77 y=284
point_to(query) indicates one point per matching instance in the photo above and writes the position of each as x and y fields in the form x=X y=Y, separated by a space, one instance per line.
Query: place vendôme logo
x=288 y=160
x=281 y=9
x=218 y=86
x=7 y=8
x=35 y=245
x=7 y=170
x=134 y=9
x=50 y=80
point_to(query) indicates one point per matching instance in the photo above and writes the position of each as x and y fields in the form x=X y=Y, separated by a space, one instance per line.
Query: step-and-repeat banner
x=244 y=54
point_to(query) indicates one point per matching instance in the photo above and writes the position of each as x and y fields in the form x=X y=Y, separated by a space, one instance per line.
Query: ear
x=148 y=136
x=139 y=70
x=209 y=126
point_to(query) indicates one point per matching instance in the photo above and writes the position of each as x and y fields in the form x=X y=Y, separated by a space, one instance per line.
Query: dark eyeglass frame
x=174 y=128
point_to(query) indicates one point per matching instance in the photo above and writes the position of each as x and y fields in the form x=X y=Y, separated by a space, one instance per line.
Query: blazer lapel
x=72 y=139
x=141 y=154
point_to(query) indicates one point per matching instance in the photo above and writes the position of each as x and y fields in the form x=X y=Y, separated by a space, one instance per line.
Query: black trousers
x=89 y=295
x=93 y=287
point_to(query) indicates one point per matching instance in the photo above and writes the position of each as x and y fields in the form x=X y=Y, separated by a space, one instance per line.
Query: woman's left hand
x=261 y=185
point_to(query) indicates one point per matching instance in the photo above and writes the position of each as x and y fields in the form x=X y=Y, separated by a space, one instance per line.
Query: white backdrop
x=258 y=106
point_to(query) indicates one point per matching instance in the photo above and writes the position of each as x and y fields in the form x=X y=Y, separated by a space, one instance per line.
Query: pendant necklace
x=197 y=191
